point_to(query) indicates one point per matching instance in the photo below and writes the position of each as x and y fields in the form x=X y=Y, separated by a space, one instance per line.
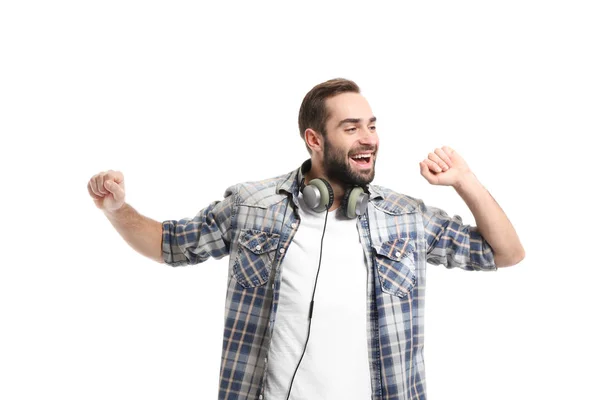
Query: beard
x=337 y=166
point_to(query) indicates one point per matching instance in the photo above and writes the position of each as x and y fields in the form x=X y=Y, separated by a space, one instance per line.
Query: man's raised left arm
x=446 y=167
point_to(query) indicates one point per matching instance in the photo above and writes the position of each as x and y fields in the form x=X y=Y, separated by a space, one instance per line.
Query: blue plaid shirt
x=255 y=224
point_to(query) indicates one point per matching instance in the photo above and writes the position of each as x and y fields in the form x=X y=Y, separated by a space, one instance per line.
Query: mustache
x=363 y=149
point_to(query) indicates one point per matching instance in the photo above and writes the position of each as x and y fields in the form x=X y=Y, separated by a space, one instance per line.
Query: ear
x=313 y=139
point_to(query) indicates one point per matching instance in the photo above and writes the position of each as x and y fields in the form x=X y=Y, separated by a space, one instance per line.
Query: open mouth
x=363 y=160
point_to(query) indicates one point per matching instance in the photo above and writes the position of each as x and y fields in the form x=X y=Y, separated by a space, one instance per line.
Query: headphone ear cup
x=318 y=195
x=355 y=202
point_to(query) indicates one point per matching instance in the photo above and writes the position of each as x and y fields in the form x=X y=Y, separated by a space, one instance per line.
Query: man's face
x=351 y=142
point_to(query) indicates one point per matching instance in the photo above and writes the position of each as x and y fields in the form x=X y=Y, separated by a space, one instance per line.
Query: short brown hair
x=313 y=113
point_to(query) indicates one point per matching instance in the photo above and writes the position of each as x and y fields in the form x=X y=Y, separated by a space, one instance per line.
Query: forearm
x=491 y=221
x=143 y=234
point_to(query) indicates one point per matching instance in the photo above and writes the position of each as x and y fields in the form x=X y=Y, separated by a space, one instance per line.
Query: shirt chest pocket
x=255 y=255
x=396 y=266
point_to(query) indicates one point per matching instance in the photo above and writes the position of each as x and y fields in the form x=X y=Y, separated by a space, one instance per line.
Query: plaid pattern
x=255 y=224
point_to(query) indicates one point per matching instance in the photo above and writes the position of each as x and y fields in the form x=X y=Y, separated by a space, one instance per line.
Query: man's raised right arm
x=186 y=241
x=143 y=234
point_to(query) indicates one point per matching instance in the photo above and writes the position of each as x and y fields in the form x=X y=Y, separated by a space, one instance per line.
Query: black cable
x=312 y=303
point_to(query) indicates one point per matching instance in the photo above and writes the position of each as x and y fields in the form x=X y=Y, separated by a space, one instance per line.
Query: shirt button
x=281 y=250
x=260 y=397
x=258 y=247
x=397 y=254
x=294 y=225
x=265 y=360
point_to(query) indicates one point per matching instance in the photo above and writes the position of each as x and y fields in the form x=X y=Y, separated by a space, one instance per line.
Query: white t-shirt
x=336 y=363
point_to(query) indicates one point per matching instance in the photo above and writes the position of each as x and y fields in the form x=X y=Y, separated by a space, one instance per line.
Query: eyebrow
x=354 y=121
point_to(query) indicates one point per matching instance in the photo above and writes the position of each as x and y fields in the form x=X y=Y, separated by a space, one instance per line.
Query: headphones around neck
x=318 y=195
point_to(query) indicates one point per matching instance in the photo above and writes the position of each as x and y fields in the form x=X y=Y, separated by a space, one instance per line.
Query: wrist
x=466 y=181
x=116 y=213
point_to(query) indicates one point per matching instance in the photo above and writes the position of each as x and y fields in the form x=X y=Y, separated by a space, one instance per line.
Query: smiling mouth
x=363 y=160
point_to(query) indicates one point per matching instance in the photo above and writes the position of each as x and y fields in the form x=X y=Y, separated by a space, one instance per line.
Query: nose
x=369 y=138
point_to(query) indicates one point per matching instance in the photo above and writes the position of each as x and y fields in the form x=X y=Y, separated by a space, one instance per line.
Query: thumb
x=115 y=189
x=425 y=172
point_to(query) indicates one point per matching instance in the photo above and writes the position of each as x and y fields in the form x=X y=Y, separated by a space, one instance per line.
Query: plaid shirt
x=255 y=224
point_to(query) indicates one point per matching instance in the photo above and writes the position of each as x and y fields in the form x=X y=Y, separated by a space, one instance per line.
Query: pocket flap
x=395 y=249
x=259 y=242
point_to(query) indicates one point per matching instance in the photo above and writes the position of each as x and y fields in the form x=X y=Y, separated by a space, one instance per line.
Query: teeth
x=361 y=156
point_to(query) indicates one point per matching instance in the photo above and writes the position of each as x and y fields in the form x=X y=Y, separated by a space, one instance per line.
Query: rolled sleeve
x=454 y=244
x=191 y=241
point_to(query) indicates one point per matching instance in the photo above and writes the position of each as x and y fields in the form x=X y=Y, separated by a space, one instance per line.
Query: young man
x=321 y=254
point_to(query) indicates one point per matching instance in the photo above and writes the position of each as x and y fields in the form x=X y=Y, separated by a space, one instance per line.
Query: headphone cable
x=312 y=303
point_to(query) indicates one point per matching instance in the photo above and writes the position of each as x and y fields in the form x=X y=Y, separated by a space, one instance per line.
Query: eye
x=372 y=128
x=353 y=129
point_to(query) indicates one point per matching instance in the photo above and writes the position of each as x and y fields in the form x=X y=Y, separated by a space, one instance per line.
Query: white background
x=187 y=98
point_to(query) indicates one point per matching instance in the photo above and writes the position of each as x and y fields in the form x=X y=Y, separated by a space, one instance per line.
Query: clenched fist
x=108 y=190
x=444 y=167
